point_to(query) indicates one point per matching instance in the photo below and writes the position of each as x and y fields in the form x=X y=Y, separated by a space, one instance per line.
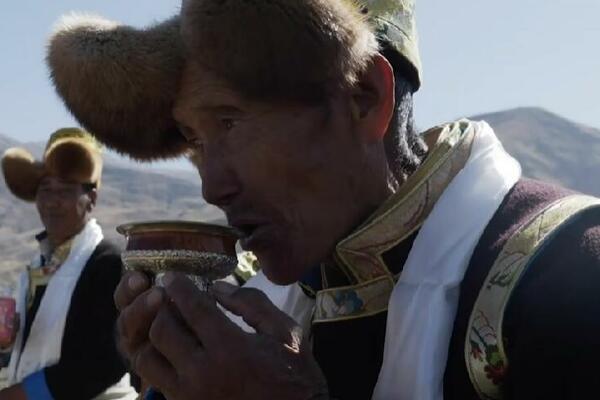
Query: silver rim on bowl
x=210 y=266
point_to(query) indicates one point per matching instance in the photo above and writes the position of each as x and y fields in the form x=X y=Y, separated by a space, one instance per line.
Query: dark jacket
x=552 y=323
x=551 y=326
x=89 y=362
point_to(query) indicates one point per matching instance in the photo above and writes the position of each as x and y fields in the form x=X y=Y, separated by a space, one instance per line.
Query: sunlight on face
x=63 y=207
x=284 y=173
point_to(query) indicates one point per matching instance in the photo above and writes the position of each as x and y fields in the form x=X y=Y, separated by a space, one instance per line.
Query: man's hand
x=194 y=351
x=138 y=304
x=15 y=392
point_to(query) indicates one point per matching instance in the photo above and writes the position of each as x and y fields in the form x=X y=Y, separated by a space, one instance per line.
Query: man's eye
x=187 y=133
x=196 y=143
x=228 y=123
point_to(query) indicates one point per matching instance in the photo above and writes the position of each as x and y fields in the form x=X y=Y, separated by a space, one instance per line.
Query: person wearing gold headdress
x=64 y=345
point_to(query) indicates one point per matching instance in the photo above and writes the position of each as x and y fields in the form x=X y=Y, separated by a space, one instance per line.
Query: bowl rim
x=131 y=228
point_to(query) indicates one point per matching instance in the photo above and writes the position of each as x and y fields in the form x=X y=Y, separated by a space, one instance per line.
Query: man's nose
x=220 y=182
x=52 y=200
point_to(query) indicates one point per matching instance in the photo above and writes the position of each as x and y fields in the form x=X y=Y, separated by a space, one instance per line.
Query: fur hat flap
x=21 y=173
x=120 y=82
x=74 y=160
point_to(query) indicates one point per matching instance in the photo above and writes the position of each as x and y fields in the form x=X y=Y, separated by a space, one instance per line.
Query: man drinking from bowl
x=395 y=265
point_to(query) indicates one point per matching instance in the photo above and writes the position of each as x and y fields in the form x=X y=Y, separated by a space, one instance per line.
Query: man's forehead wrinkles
x=57 y=186
x=208 y=95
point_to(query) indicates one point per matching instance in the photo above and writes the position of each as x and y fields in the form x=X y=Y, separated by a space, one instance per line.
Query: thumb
x=259 y=312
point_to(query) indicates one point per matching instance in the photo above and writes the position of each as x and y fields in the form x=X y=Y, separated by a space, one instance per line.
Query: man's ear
x=93 y=196
x=373 y=100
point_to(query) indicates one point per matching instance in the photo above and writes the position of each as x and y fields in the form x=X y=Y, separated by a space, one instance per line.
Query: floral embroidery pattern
x=484 y=348
x=353 y=302
x=359 y=254
x=486 y=359
x=406 y=210
x=507 y=275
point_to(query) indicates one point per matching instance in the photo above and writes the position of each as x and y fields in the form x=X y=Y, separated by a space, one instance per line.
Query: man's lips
x=54 y=215
x=257 y=239
x=254 y=232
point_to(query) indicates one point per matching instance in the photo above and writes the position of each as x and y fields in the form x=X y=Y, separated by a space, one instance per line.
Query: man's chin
x=279 y=272
x=278 y=277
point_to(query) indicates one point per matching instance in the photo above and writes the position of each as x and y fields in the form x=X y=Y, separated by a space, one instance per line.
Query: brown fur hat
x=21 y=173
x=297 y=49
x=121 y=83
x=71 y=154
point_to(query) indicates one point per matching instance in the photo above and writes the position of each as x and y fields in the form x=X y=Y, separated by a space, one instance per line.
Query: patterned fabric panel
x=485 y=355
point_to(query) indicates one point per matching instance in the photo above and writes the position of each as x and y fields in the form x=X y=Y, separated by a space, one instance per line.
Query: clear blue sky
x=478 y=56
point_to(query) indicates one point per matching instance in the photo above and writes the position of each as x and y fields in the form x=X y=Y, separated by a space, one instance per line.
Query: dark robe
x=551 y=326
x=89 y=362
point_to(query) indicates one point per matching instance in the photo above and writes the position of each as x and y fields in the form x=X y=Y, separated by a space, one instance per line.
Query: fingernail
x=136 y=282
x=168 y=278
x=223 y=288
x=154 y=298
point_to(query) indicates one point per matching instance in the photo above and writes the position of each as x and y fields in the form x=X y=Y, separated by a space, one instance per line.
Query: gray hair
x=404 y=147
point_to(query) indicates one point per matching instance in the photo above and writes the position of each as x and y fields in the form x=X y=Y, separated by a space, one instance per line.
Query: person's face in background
x=64 y=207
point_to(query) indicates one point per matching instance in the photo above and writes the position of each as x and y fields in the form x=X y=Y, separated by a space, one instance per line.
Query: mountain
x=550 y=147
x=7 y=141
x=128 y=193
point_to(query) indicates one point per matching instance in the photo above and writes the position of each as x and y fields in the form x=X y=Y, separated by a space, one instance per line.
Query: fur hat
x=71 y=154
x=121 y=82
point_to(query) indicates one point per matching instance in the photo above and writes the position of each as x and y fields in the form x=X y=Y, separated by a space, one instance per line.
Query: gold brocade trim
x=406 y=210
x=343 y=303
x=42 y=275
x=485 y=355
x=359 y=256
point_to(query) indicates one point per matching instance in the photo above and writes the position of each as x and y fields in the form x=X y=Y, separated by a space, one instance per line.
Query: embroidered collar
x=360 y=256
x=50 y=261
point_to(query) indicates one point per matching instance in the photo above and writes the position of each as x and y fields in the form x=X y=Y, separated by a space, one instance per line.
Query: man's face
x=63 y=207
x=294 y=178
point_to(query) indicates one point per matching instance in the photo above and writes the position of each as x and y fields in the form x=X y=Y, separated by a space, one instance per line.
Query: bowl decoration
x=203 y=251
